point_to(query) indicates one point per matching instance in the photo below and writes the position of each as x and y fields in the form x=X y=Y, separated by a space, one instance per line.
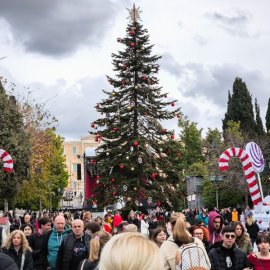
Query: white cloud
x=204 y=44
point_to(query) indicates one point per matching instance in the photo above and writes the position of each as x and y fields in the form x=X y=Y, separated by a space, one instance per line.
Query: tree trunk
x=5 y=205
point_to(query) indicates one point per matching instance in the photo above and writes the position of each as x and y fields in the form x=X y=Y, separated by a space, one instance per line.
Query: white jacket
x=144 y=227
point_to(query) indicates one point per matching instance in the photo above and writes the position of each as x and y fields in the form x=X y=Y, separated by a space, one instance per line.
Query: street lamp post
x=216 y=179
x=217 y=196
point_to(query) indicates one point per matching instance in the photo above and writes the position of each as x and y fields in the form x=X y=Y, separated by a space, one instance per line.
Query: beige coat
x=168 y=253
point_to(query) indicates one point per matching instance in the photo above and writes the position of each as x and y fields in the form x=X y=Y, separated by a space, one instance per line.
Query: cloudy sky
x=61 y=51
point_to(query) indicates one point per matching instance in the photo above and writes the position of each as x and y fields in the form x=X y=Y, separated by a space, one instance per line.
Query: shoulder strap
x=22 y=262
x=83 y=264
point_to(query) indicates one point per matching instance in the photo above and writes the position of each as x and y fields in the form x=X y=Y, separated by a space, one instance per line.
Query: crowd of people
x=152 y=240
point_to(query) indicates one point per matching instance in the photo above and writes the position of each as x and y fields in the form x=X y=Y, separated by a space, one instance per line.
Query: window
x=79 y=172
x=74 y=150
x=74 y=167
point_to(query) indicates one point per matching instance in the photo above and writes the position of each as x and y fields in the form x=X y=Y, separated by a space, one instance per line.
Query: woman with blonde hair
x=16 y=246
x=96 y=245
x=180 y=235
x=252 y=229
x=132 y=251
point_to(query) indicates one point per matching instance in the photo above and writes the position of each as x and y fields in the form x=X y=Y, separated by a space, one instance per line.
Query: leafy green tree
x=134 y=154
x=58 y=175
x=49 y=176
x=227 y=197
x=240 y=108
x=191 y=142
x=15 y=141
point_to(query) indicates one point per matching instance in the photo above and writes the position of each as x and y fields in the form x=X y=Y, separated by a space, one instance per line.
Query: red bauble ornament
x=132 y=45
x=153 y=175
x=113 y=180
x=145 y=78
x=98 y=177
x=96 y=139
x=158 y=204
x=172 y=104
x=119 y=39
x=131 y=32
x=97 y=106
x=121 y=166
x=172 y=136
x=92 y=125
x=114 y=193
x=135 y=144
x=114 y=129
x=92 y=161
x=164 y=130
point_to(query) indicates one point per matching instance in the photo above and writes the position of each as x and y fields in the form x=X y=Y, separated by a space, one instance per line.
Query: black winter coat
x=17 y=257
x=217 y=258
x=37 y=242
x=65 y=251
x=88 y=265
x=252 y=230
x=6 y=263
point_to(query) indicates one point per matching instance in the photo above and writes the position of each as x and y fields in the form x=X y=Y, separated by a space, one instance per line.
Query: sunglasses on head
x=232 y=236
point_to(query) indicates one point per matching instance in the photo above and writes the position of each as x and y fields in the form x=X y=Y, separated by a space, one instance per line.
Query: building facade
x=73 y=196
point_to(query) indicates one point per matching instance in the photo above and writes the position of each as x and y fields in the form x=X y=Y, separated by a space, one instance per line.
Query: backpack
x=191 y=257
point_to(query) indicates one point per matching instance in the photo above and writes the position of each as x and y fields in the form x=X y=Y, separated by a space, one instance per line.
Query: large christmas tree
x=136 y=156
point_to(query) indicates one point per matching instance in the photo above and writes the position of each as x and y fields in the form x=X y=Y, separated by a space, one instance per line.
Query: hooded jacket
x=215 y=236
x=53 y=240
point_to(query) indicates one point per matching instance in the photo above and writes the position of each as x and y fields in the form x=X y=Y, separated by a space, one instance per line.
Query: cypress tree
x=267 y=117
x=240 y=108
x=260 y=130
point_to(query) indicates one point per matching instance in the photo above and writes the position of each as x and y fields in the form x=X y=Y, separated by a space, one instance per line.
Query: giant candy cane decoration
x=8 y=162
x=223 y=164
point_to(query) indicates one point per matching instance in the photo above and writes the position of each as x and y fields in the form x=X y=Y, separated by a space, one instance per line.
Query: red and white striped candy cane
x=7 y=160
x=223 y=164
